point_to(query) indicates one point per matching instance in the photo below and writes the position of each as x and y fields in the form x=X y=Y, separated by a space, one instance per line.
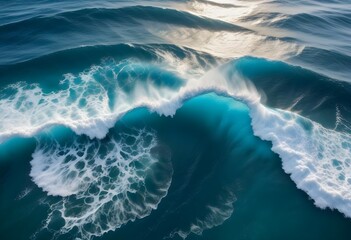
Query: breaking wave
x=91 y=102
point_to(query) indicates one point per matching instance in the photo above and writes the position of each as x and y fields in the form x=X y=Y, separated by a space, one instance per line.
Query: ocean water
x=189 y=119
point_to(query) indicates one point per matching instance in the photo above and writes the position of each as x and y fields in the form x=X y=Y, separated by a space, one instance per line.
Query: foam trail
x=102 y=184
x=215 y=215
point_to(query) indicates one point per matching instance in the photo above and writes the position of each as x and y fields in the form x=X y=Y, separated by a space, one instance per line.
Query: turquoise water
x=174 y=120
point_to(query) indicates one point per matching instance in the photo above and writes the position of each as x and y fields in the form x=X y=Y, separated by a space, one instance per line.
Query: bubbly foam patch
x=89 y=102
x=102 y=184
x=215 y=215
x=79 y=105
x=318 y=159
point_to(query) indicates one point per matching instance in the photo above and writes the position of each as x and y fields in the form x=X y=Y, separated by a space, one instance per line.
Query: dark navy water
x=175 y=119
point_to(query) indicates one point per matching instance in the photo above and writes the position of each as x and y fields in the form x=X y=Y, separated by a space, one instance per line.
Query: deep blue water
x=175 y=119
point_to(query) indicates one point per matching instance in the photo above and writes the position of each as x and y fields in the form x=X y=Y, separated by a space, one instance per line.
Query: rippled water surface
x=175 y=119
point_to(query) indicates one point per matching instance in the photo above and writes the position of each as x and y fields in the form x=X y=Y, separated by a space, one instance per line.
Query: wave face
x=175 y=119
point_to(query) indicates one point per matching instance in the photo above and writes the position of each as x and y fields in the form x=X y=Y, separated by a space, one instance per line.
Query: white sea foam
x=103 y=185
x=318 y=159
x=83 y=107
